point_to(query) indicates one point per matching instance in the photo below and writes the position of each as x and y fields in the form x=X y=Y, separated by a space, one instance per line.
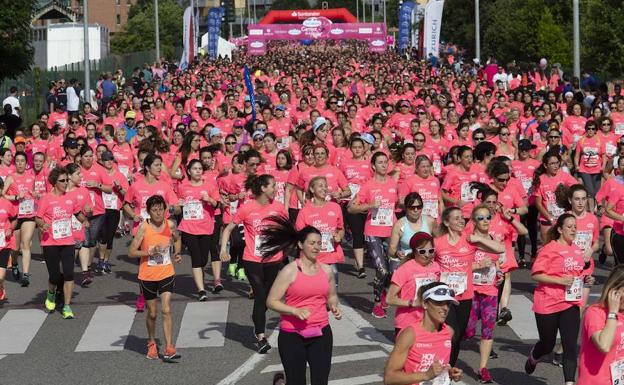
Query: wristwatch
x=612 y=316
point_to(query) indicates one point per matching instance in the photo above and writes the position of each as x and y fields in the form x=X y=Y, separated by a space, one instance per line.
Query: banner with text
x=432 y=28
x=405 y=25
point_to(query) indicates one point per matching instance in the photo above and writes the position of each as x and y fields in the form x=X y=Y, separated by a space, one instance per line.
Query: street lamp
x=87 y=75
x=477 y=32
x=157 y=28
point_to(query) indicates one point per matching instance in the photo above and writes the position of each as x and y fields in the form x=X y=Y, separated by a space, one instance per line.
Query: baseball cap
x=214 y=131
x=543 y=127
x=318 y=123
x=440 y=293
x=525 y=145
x=107 y=155
x=280 y=107
x=70 y=143
x=258 y=133
x=19 y=139
x=405 y=103
x=368 y=138
x=130 y=115
x=239 y=123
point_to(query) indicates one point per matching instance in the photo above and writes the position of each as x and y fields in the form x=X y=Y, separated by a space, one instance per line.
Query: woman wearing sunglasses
x=506 y=144
x=455 y=252
x=588 y=160
x=561 y=271
x=426 y=186
x=416 y=270
x=409 y=361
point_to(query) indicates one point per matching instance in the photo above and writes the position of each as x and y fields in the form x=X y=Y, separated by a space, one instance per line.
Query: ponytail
x=483 y=190
x=281 y=235
x=563 y=195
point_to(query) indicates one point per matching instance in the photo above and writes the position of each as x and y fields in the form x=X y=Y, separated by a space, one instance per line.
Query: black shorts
x=151 y=289
x=20 y=222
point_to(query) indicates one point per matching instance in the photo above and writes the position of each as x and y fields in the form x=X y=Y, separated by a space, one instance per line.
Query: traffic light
x=230 y=10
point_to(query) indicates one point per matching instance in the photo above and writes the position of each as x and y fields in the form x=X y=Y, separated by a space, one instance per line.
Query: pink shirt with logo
x=409 y=277
x=328 y=220
x=591 y=152
x=428 y=347
x=140 y=191
x=457 y=184
x=8 y=212
x=379 y=221
x=94 y=174
x=546 y=190
x=252 y=215
x=429 y=191
x=558 y=260
x=57 y=211
x=197 y=214
x=456 y=260
x=24 y=183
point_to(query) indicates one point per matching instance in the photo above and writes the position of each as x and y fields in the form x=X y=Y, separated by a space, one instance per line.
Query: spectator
x=109 y=89
x=11 y=121
x=51 y=101
x=73 y=102
x=13 y=101
x=61 y=94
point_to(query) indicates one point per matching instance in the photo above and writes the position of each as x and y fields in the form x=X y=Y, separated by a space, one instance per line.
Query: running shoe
x=98 y=268
x=2 y=293
x=67 y=312
x=232 y=269
x=263 y=346
x=530 y=364
x=378 y=311
x=86 y=279
x=504 y=316
x=361 y=273
x=484 y=376
x=278 y=379
x=384 y=304
x=558 y=359
x=50 y=302
x=25 y=280
x=15 y=271
x=140 y=303
x=152 y=351
x=218 y=286
x=493 y=355
x=201 y=296
x=240 y=274
x=171 y=353
x=107 y=267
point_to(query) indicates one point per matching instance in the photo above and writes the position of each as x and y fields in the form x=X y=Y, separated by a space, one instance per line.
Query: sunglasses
x=415 y=207
x=590 y=128
x=554 y=137
x=482 y=218
x=230 y=143
x=502 y=180
x=253 y=164
x=74 y=122
x=419 y=140
x=424 y=251
x=442 y=291
x=504 y=134
x=479 y=138
x=61 y=180
x=258 y=139
x=606 y=124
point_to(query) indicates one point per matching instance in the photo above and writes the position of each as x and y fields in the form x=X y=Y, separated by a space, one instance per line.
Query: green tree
x=552 y=42
x=15 y=45
x=290 y=4
x=138 y=33
x=602 y=37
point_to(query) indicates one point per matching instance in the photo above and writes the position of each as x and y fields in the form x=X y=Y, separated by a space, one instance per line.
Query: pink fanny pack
x=309 y=332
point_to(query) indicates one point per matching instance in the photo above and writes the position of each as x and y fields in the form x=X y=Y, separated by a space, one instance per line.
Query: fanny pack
x=309 y=332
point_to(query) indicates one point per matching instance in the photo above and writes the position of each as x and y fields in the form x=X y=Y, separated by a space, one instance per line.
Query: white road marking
x=523 y=322
x=337 y=359
x=18 y=328
x=203 y=325
x=353 y=329
x=2 y=356
x=108 y=329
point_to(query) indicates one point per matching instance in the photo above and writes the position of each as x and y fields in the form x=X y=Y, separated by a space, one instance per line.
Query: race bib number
x=430 y=208
x=193 y=211
x=327 y=243
x=527 y=183
x=61 y=228
x=619 y=129
x=284 y=143
x=574 y=292
x=76 y=225
x=92 y=196
x=383 y=216
x=159 y=255
x=442 y=379
x=610 y=149
x=554 y=209
x=420 y=282
x=233 y=207
x=617 y=372
x=590 y=155
x=258 y=241
x=40 y=186
x=2 y=239
x=110 y=201
x=455 y=280
x=467 y=194
x=355 y=188
x=484 y=276
x=437 y=166
x=583 y=240
x=125 y=170
x=26 y=207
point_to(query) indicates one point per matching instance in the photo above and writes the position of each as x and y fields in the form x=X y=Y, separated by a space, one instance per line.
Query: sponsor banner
x=405 y=25
x=432 y=27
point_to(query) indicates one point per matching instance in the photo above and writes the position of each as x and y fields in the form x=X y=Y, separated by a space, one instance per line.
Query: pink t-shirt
x=594 y=366
x=24 y=183
x=8 y=211
x=409 y=277
x=124 y=156
x=197 y=214
x=81 y=196
x=523 y=170
x=428 y=347
x=379 y=221
x=591 y=152
x=328 y=220
x=57 y=211
x=140 y=191
x=114 y=200
x=546 y=190
x=310 y=292
x=252 y=215
x=94 y=174
x=556 y=259
x=587 y=231
x=429 y=191
x=457 y=184
x=456 y=264
x=336 y=181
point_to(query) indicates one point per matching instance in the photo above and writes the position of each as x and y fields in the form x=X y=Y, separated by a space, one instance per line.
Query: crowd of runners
x=444 y=178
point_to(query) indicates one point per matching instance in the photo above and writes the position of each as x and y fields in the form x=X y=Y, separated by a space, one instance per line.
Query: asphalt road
x=106 y=342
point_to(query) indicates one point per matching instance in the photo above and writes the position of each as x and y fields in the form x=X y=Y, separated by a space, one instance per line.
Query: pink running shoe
x=140 y=303
x=378 y=311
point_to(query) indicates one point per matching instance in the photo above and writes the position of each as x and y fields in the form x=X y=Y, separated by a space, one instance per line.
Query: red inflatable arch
x=340 y=15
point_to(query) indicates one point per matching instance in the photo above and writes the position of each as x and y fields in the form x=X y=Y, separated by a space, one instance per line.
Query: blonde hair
x=615 y=281
x=313 y=182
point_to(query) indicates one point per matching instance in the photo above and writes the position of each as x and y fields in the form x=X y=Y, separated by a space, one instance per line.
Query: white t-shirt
x=14 y=102
x=93 y=100
x=73 y=102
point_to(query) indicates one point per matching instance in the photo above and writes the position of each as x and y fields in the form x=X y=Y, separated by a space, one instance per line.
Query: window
x=118 y=19
x=118 y=2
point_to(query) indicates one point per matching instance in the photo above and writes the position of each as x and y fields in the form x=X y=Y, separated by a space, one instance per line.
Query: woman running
x=302 y=293
x=157 y=243
x=561 y=271
x=54 y=217
x=260 y=271
x=422 y=351
x=8 y=223
x=199 y=198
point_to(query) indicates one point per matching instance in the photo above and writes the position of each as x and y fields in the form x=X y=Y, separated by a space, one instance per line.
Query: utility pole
x=357 y=10
x=577 y=39
x=157 y=30
x=477 y=32
x=87 y=75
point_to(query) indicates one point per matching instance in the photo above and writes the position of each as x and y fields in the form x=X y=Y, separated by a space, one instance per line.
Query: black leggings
x=457 y=319
x=356 y=224
x=530 y=221
x=237 y=244
x=617 y=245
x=53 y=255
x=214 y=246
x=295 y=351
x=567 y=322
x=261 y=277
x=111 y=221
x=199 y=248
x=4 y=258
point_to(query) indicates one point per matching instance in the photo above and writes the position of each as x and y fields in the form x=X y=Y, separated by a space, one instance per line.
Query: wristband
x=612 y=316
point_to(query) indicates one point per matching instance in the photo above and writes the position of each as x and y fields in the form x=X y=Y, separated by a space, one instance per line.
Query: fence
x=33 y=85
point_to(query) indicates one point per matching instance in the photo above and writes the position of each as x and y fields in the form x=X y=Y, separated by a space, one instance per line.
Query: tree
x=602 y=38
x=138 y=33
x=552 y=41
x=290 y=4
x=15 y=45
